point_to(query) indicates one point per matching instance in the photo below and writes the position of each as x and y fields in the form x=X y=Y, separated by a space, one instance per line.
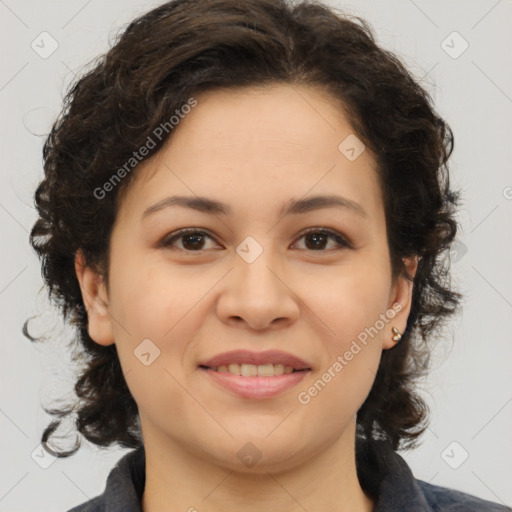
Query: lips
x=255 y=375
x=274 y=357
x=253 y=388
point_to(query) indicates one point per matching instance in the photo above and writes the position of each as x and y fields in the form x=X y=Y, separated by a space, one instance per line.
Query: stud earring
x=397 y=335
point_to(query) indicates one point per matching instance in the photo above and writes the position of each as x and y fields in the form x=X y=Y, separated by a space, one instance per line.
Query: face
x=269 y=271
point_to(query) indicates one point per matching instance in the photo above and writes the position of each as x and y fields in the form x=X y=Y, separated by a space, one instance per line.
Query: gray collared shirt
x=383 y=474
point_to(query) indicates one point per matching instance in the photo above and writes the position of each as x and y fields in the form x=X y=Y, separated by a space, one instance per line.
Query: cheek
x=158 y=302
x=351 y=308
x=151 y=297
x=154 y=318
x=350 y=302
x=351 y=305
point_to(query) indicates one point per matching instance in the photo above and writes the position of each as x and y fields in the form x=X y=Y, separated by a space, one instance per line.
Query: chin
x=255 y=454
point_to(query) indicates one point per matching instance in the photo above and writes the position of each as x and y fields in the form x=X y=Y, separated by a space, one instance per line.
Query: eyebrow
x=293 y=207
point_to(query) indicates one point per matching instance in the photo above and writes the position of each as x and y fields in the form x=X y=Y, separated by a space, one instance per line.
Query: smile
x=254 y=386
x=255 y=375
x=252 y=370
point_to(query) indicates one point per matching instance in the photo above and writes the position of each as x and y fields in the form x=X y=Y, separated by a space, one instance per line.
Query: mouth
x=255 y=375
x=252 y=370
x=247 y=363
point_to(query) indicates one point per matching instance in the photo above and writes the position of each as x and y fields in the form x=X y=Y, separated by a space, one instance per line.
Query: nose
x=258 y=295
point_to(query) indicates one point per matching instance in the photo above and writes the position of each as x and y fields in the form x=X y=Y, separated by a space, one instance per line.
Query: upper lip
x=256 y=358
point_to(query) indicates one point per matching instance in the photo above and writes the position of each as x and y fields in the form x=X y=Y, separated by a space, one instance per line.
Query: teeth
x=252 y=370
x=249 y=370
x=267 y=370
x=234 y=369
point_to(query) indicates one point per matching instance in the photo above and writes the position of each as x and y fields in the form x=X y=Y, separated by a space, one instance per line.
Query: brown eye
x=192 y=240
x=317 y=239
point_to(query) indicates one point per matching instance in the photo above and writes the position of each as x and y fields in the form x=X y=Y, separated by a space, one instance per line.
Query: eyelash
x=341 y=241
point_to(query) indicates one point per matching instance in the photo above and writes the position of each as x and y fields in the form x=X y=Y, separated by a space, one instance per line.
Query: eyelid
x=341 y=240
x=186 y=231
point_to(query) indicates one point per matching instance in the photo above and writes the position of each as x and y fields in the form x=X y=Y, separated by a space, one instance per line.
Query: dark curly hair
x=184 y=47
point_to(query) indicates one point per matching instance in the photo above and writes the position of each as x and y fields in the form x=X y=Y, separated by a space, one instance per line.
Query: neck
x=178 y=480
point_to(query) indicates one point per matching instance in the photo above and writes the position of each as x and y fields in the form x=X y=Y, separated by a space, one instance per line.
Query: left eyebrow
x=294 y=206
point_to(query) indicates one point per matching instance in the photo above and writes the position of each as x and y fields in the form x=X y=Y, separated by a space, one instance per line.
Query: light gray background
x=470 y=388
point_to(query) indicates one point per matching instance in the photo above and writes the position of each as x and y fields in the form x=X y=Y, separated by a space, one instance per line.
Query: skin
x=253 y=149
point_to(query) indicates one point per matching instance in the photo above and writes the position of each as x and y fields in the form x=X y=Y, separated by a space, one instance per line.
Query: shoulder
x=94 y=505
x=385 y=475
x=124 y=487
x=443 y=499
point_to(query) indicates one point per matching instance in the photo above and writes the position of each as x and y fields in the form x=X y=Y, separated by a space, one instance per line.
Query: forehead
x=253 y=143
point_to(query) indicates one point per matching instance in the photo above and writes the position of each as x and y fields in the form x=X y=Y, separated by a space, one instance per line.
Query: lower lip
x=255 y=387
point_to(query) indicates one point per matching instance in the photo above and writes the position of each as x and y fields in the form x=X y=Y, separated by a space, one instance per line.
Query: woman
x=244 y=213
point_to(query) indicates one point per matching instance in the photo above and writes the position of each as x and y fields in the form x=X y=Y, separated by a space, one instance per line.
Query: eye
x=318 y=238
x=193 y=239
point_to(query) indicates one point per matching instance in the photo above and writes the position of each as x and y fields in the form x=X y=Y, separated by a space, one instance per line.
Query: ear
x=400 y=301
x=96 y=301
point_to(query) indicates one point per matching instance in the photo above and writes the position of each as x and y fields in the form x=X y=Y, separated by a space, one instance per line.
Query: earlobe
x=401 y=301
x=96 y=302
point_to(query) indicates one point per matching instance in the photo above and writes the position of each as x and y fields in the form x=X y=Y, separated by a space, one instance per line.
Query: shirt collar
x=387 y=479
x=382 y=473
